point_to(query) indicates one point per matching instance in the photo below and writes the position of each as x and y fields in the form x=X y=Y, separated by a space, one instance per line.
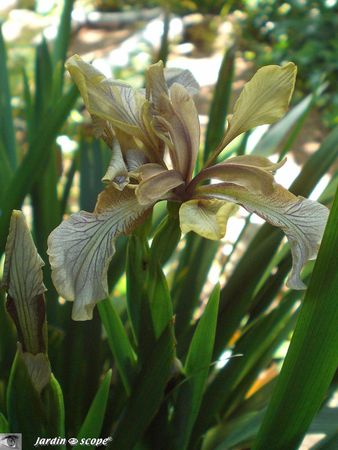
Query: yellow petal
x=208 y=218
x=264 y=99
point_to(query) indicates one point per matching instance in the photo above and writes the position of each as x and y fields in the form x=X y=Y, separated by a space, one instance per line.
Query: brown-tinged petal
x=247 y=176
x=117 y=172
x=181 y=76
x=81 y=247
x=178 y=117
x=23 y=282
x=156 y=183
x=302 y=220
x=208 y=218
x=111 y=100
x=256 y=161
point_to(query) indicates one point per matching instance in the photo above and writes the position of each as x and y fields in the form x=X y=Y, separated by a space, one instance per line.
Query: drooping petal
x=156 y=183
x=264 y=100
x=250 y=177
x=178 y=117
x=117 y=172
x=208 y=218
x=111 y=100
x=81 y=247
x=302 y=220
x=256 y=161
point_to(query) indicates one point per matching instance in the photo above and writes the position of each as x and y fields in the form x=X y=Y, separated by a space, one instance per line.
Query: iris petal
x=81 y=247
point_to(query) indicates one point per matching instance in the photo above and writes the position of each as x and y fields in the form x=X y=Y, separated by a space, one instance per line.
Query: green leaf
x=4 y=426
x=63 y=34
x=167 y=236
x=189 y=279
x=52 y=398
x=6 y=169
x=92 y=425
x=196 y=370
x=7 y=133
x=220 y=103
x=234 y=433
x=312 y=358
x=236 y=298
x=34 y=162
x=43 y=82
x=148 y=297
x=124 y=355
x=147 y=393
x=256 y=345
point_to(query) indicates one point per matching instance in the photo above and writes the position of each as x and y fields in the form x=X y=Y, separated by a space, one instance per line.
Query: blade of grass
x=260 y=339
x=4 y=425
x=189 y=279
x=312 y=358
x=92 y=425
x=124 y=355
x=236 y=298
x=220 y=103
x=34 y=162
x=7 y=133
x=196 y=370
x=147 y=393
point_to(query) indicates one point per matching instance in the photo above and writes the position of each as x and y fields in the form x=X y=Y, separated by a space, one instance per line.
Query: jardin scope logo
x=10 y=441
x=96 y=442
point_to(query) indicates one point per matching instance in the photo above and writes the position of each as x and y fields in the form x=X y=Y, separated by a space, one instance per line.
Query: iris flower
x=154 y=136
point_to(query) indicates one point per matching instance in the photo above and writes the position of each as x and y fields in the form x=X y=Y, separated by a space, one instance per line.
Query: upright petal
x=178 y=117
x=181 y=76
x=117 y=172
x=302 y=220
x=264 y=100
x=208 y=218
x=81 y=247
x=112 y=100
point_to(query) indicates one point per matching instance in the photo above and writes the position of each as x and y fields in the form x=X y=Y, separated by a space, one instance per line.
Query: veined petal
x=117 y=171
x=155 y=84
x=264 y=100
x=156 y=184
x=135 y=158
x=208 y=218
x=256 y=161
x=250 y=177
x=302 y=220
x=81 y=247
x=159 y=80
x=112 y=100
x=183 y=77
x=178 y=116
